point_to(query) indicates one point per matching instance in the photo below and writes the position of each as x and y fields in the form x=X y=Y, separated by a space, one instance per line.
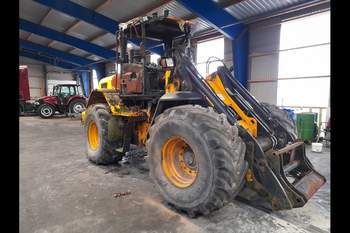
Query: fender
x=95 y=97
x=52 y=100
x=177 y=98
x=76 y=97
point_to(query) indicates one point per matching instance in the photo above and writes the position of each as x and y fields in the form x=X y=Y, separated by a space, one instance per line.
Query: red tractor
x=65 y=98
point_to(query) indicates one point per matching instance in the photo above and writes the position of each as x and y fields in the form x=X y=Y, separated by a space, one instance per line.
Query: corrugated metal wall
x=56 y=76
x=228 y=59
x=263 y=67
x=36 y=76
x=36 y=81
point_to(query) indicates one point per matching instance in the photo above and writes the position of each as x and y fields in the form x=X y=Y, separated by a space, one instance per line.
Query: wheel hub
x=93 y=138
x=78 y=108
x=189 y=159
x=46 y=111
x=179 y=162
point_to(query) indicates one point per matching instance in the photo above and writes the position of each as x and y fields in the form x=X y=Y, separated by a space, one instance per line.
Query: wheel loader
x=207 y=139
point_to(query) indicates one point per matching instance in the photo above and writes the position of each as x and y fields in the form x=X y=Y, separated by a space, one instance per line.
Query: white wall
x=263 y=68
x=36 y=81
x=262 y=38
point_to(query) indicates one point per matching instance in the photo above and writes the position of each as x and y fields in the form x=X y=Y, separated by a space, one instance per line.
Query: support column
x=85 y=78
x=45 y=80
x=240 y=57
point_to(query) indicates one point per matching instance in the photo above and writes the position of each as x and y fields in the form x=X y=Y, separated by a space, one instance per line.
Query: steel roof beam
x=56 y=53
x=82 y=13
x=67 y=39
x=214 y=15
x=42 y=19
x=94 y=18
x=218 y=18
x=49 y=60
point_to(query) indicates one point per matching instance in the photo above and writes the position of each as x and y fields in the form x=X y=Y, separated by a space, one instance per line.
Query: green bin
x=306 y=125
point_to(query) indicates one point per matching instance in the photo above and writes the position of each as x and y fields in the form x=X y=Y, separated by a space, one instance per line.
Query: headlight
x=36 y=103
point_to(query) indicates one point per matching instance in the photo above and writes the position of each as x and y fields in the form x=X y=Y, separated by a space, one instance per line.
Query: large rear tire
x=196 y=158
x=282 y=117
x=99 y=145
x=77 y=106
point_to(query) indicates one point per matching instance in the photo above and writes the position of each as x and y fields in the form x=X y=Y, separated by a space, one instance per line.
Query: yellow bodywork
x=174 y=165
x=112 y=98
x=93 y=138
x=249 y=123
x=106 y=83
x=169 y=87
x=83 y=116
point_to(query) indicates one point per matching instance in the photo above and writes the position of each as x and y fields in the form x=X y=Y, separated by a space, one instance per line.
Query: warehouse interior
x=279 y=50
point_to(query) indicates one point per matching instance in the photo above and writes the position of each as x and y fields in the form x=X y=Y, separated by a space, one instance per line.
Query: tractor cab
x=65 y=91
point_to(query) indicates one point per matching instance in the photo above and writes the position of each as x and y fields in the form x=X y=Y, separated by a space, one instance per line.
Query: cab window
x=72 y=90
x=64 y=90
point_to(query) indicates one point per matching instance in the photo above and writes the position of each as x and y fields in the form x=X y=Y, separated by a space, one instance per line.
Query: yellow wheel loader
x=207 y=139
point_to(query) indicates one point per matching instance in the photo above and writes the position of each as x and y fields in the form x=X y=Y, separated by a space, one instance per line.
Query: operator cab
x=137 y=77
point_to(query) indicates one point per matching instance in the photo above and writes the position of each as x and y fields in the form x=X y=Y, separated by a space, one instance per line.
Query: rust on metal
x=309 y=184
x=288 y=148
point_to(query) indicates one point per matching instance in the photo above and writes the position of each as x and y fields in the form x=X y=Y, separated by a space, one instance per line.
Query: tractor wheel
x=46 y=111
x=196 y=158
x=99 y=144
x=282 y=117
x=77 y=106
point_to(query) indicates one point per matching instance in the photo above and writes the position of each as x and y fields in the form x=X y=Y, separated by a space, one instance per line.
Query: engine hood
x=49 y=99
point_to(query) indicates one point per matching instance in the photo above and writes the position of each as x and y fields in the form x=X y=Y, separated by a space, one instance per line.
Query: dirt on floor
x=61 y=191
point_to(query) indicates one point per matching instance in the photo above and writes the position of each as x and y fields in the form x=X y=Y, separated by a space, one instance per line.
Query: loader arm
x=279 y=176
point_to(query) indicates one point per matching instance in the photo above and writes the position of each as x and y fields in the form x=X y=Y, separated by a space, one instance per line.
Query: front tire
x=46 y=111
x=77 y=106
x=282 y=117
x=215 y=166
x=99 y=146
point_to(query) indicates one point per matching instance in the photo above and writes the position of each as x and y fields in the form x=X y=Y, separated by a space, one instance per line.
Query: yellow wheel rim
x=179 y=162
x=93 y=135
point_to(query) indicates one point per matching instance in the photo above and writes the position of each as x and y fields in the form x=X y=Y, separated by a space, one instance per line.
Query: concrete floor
x=60 y=191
